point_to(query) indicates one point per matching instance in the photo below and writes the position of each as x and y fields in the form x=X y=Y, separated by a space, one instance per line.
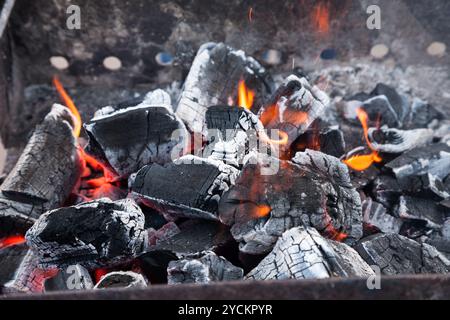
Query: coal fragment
x=121 y=279
x=391 y=140
x=189 y=187
x=395 y=254
x=205 y=269
x=421 y=115
x=302 y=253
x=376 y=215
x=92 y=234
x=421 y=209
x=74 y=277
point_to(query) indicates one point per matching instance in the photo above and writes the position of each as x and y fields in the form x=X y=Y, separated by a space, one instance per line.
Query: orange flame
x=69 y=104
x=261 y=211
x=363 y=162
x=12 y=241
x=245 y=96
x=321 y=17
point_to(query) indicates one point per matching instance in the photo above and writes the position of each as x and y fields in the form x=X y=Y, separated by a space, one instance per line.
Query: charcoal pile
x=243 y=178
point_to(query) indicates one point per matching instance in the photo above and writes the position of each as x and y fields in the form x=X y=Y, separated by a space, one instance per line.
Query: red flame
x=245 y=96
x=12 y=241
x=69 y=104
x=363 y=162
x=321 y=17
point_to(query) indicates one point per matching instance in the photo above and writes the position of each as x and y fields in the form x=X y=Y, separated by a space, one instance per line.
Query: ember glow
x=321 y=17
x=363 y=162
x=245 y=96
x=261 y=211
x=250 y=14
x=68 y=102
x=11 y=241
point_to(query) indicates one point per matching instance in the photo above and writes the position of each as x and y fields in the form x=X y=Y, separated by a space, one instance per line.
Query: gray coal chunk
x=205 y=269
x=395 y=254
x=392 y=140
x=129 y=138
x=121 y=279
x=10 y=258
x=315 y=190
x=421 y=115
x=376 y=215
x=15 y=217
x=92 y=234
x=189 y=187
x=399 y=103
x=302 y=253
x=414 y=208
x=213 y=79
x=433 y=159
x=232 y=133
x=296 y=105
x=194 y=236
x=332 y=142
x=74 y=277
x=47 y=170
x=379 y=107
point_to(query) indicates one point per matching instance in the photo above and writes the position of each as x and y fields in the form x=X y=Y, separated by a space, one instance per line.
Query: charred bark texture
x=92 y=234
x=189 y=187
x=301 y=253
x=213 y=79
x=313 y=190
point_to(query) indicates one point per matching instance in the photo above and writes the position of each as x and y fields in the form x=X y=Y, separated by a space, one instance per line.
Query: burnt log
x=293 y=108
x=74 y=277
x=391 y=140
x=92 y=234
x=301 y=253
x=205 y=269
x=47 y=170
x=121 y=279
x=129 y=138
x=395 y=254
x=314 y=189
x=189 y=187
x=213 y=79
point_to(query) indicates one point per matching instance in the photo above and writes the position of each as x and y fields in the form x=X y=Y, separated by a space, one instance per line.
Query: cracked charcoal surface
x=213 y=78
x=15 y=217
x=376 y=215
x=74 y=277
x=189 y=187
x=395 y=254
x=301 y=253
x=315 y=191
x=130 y=138
x=296 y=104
x=121 y=279
x=91 y=234
x=232 y=133
x=422 y=209
x=47 y=170
x=206 y=269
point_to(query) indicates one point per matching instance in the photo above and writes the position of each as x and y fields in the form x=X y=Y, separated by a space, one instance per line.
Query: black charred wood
x=376 y=215
x=422 y=209
x=74 y=277
x=11 y=258
x=121 y=279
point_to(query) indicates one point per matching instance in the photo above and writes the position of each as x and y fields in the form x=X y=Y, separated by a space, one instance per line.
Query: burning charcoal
x=74 y=277
x=229 y=131
x=130 y=138
x=165 y=232
x=213 y=79
x=10 y=258
x=425 y=185
x=189 y=187
x=421 y=209
x=398 y=102
x=332 y=142
x=194 y=236
x=294 y=107
x=47 y=170
x=29 y=277
x=315 y=190
x=91 y=234
x=378 y=107
x=396 y=254
x=391 y=140
x=422 y=114
x=433 y=159
x=301 y=253
x=375 y=215
x=121 y=279
x=206 y=269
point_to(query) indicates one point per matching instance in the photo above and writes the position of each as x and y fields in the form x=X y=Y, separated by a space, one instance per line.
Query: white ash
x=121 y=279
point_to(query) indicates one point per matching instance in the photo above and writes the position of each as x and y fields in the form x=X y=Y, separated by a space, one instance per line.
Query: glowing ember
x=261 y=211
x=250 y=14
x=69 y=104
x=11 y=241
x=99 y=273
x=245 y=96
x=321 y=17
x=284 y=139
x=363 y=162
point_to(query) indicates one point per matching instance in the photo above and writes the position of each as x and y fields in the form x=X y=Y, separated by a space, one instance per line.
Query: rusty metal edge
x=393 y=287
